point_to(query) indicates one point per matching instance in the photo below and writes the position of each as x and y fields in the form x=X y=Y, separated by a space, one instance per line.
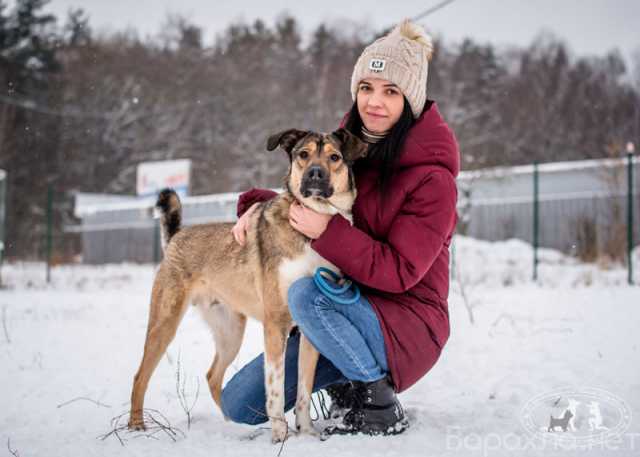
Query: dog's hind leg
x=168 y=304
x=228 y=330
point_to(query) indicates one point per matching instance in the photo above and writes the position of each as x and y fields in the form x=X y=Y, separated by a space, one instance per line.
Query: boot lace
x=356 y=397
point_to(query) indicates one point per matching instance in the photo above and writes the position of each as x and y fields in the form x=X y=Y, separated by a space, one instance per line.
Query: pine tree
x=27 y=133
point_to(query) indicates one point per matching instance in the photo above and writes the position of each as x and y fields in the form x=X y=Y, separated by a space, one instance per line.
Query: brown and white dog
x=204 y=265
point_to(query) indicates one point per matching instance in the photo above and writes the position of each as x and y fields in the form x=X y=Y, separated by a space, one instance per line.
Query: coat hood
x=431 y=142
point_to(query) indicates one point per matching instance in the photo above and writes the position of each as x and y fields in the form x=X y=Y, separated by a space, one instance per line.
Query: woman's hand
x=307 y=221
x=240 y=229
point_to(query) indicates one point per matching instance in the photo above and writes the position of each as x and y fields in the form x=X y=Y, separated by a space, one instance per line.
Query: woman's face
x=380 y=104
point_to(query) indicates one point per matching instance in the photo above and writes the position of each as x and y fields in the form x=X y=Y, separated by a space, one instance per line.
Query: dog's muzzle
x=316 y=183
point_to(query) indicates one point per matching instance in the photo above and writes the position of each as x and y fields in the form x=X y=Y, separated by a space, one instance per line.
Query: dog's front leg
x=275 y=339
x=307 y=361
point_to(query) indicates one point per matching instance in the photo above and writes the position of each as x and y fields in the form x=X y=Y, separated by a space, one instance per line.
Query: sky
x=590 y=27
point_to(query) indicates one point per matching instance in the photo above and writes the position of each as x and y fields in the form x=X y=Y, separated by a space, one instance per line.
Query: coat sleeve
x=248 y=198
x=416 y=237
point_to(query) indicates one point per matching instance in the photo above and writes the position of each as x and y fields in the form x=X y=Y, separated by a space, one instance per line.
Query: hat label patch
x=377 y=65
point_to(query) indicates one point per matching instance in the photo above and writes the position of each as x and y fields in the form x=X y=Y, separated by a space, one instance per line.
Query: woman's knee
x=240 y=410
x=300 y=298
x=243 y=398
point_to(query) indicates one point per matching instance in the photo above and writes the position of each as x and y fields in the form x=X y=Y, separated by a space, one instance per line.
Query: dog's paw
x=304 y=425
x=308 y=430
x=136 y=425
x=278 y=430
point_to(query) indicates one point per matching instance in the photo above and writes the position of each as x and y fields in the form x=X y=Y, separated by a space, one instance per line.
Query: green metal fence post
x=49 y=230
x=630 y=214
x=536 y=220
x=3 y=193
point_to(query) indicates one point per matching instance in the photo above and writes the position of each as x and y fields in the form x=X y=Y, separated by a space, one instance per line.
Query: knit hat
x=401 y=57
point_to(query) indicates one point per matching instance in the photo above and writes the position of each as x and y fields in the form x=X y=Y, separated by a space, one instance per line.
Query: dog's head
x=320 y=166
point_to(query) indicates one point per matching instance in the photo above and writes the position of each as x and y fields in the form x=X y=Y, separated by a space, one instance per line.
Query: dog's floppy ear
x=286 y=139
x=352 y=147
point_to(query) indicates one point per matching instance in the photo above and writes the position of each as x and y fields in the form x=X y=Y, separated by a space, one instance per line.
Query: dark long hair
x=388 y=149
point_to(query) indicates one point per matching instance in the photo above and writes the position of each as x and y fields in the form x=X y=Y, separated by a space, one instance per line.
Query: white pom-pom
x=416 y=33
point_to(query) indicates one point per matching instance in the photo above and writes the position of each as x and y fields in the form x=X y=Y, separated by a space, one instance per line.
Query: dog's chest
x=304 y=264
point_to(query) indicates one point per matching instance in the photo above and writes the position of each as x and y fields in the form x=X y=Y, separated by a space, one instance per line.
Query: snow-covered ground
x=68 y=352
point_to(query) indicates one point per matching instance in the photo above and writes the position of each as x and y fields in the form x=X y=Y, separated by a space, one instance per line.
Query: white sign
x=152 y=177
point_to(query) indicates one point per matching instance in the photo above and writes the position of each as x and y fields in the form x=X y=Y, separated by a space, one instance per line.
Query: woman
x=396 y=250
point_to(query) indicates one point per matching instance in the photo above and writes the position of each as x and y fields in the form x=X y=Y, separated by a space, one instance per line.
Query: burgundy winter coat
x=399 y=252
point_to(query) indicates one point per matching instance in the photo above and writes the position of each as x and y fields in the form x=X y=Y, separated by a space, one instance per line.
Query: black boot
x=376 y=411
x=342 y=399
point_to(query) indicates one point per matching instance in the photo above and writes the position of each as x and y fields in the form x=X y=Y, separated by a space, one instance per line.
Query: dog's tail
x=170 y=214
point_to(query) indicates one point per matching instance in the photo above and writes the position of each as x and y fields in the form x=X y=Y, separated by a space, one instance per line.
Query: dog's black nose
x=316 y=172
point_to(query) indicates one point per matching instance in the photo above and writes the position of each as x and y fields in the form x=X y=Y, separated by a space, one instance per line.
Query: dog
x=573 y=407
x=204 y=265
x=562 y=422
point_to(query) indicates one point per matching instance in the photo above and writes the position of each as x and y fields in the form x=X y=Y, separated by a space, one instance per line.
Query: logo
x=377 y=65
x=576 y=416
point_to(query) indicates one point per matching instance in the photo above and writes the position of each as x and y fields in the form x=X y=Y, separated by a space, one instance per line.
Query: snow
x=82 y=336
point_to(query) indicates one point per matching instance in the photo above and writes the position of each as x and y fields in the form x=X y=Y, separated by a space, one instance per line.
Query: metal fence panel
x=582 y=207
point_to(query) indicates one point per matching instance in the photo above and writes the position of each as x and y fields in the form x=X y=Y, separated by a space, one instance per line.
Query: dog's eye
x=303 y=154
x=335 y=157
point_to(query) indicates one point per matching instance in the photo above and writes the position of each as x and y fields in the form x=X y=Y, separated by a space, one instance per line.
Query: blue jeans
x=348 y=337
